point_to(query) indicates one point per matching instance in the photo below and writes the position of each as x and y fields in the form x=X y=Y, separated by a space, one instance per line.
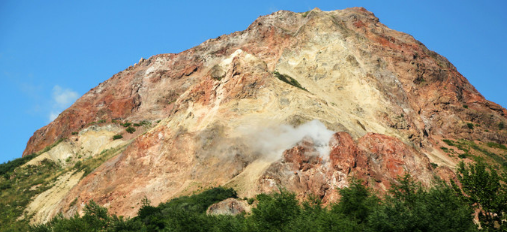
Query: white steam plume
x=272 y=142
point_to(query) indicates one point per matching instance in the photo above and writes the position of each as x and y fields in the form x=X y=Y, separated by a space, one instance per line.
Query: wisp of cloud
x=61 y=99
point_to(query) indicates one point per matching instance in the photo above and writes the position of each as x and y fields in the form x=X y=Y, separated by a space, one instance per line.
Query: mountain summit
x=299 y=100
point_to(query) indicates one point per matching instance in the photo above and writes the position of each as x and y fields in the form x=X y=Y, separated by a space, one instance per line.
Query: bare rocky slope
x=359 y=100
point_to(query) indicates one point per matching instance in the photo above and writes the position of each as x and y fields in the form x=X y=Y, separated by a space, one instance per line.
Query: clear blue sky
x=52 y=52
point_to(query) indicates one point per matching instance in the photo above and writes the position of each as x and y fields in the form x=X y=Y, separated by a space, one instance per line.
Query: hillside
x=300 y=100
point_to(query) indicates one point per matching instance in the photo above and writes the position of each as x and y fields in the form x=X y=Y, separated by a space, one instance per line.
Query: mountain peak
x=240 y=110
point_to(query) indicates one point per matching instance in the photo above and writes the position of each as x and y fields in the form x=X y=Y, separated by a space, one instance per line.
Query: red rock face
x=378 y=159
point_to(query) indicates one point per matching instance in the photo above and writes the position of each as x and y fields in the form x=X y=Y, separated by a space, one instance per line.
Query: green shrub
x=465 y=106
x=130 y=130
x=127 y=124
x=145 y=123
x=74 y=133
x=434 y=165
x=470 y=126
x=5 y=185
x=101 y=121
x=78 y=165
x=11 y=165
x=448 y=142
x=289 y=80
x=118 y=136
x=496 y=145
x=501 y=126
x=46 y=149
x=463 y=156
x=137 y=124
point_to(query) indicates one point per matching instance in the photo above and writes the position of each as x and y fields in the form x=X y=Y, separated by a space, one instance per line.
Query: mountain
x=305 y=101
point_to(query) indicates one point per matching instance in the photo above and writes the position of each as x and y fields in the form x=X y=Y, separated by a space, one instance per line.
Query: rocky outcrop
x=229 y=206
x=390 y=100
x=377 y=159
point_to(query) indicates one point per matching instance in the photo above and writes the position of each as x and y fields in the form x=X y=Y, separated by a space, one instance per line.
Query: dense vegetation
x=18 y=187
x=8 y=167
x=406 y=207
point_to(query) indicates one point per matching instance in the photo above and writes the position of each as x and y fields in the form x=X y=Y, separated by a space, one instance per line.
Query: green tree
x=274 y=211
x=356 y=202
x=484 y=189
x=412 y=208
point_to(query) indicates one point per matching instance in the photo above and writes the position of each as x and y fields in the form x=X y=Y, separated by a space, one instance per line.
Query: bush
x=145 y=123
x=448 y=142
x=74 y=133
x=289 y=80
x=127 y=124
x=463 y=156
x=470 y=126
x=501 y=126
x=11 y=165
x=130 y=130
x=115 y=137
x=496 y=145
x=78 y=165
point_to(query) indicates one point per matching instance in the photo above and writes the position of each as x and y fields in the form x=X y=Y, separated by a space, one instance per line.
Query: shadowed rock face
x=389 y=98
